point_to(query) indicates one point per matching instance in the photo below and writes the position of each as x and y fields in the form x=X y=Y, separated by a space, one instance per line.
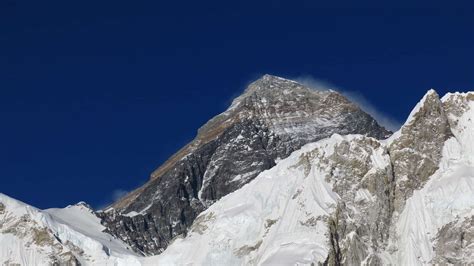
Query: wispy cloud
x=118 y=193
x=113 y=197
x=382 y=118
x=317 y=84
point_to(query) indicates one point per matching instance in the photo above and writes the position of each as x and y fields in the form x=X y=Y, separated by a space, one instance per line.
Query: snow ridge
x=73 y=235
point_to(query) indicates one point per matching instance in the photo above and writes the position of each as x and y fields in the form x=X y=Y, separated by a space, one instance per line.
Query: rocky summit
x=287 y=175
x=271 y=119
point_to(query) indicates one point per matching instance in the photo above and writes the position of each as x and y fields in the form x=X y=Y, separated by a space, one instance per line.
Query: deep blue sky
x=94 y=95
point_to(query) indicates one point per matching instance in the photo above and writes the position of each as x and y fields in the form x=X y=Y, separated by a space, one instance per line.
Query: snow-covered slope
x=69 y=236
x=280 y=218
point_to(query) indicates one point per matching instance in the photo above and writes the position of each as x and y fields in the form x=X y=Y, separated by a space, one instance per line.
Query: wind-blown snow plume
x=113 y=197
x=118 y=193
x=356 y=97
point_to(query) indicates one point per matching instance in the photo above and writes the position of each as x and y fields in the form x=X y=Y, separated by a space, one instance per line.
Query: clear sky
x=94 y=95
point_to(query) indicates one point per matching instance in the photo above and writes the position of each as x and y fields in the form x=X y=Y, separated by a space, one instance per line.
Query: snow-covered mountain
x=68 y=236
x=272 y=118
x=286 y=176
x=353 y=200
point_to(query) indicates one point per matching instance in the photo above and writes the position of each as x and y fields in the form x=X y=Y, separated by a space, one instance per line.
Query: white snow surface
x=81 y=219
x=73 y=229
x=263 y=223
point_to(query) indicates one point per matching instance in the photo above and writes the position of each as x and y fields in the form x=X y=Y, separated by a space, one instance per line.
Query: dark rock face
x=271 y=119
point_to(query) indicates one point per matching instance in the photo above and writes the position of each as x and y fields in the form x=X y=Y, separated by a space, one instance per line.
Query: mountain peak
x=425 y=132
x=432 y=91
x=430 y=98
x=279 y=89
x=271 y=119
x=81 y=204
x=271 y=77
x=270 y=82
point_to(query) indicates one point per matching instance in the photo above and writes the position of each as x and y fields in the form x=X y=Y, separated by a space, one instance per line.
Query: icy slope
x=73 y=235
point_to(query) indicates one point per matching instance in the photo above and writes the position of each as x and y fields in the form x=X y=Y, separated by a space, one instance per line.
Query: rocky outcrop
x=22 y=231
x=416 y=150
x=271 y=119
x=361 y=174
x=371 y=193
x=454 y=243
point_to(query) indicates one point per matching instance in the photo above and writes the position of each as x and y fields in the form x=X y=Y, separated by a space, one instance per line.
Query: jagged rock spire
x=416 y=148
